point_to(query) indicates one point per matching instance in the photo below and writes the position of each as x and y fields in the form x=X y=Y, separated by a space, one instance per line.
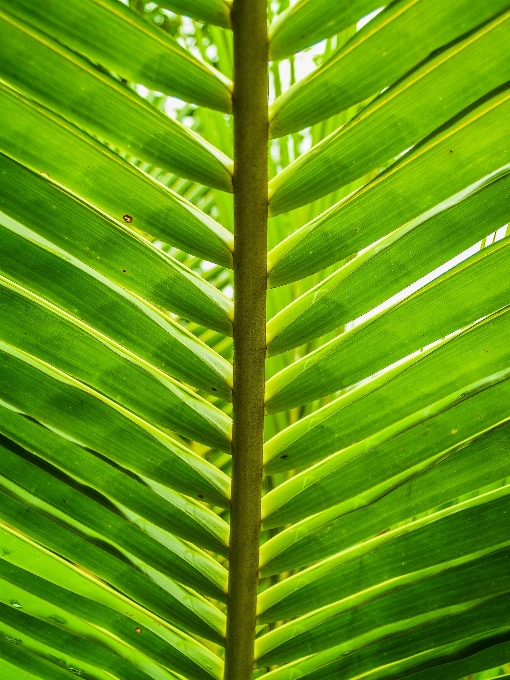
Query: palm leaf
x=154 y=523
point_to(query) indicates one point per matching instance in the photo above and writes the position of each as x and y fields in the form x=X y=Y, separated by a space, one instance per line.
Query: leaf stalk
x=249 y=24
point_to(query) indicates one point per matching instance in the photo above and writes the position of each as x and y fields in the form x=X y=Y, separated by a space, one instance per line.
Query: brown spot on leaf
x=127 y=218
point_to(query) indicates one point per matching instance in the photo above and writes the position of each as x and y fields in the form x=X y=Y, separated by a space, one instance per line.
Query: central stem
x=249 y=24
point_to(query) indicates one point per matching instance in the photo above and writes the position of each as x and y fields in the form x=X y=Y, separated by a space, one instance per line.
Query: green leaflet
x=38 y=266
x=461 y=296
x=68 y=597
x=70 y=652
x=404 y=115
x=40 y=329
x=116 y=252
x=400 y=38
x=467 y=150
x=403 y=556
x=216 y=12
x=460 y=630
x=447 y=367
x=19 y=664
x=389 y=337
x=172 y=602
x=360 y=513
x=45 y=143
x=96 y=422
x=394 y=262
x=42 y=489
x=308 y=21
x=147 y=510
x=474 y=662
x=428 y=600
x=114 y=36
x=374 y=467
x=69 y=85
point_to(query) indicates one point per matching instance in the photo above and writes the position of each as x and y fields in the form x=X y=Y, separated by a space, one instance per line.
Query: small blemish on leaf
x=200 y=495
x=214 y=389
x=284 y=456
x=124 y=270
x=59 y=662
x=138 y=630
x=454 y=431
x=57 y=619
x=127 y=218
